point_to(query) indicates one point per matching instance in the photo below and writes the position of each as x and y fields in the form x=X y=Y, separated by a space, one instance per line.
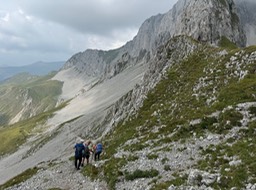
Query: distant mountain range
x=38 y=68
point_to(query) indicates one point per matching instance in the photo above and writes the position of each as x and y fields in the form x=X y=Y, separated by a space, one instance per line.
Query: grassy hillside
x=196 y=128
x=24 y=96
x=194 y=120
x=13 y=136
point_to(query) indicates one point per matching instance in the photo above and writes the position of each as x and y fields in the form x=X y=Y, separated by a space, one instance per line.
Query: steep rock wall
x=206 y=20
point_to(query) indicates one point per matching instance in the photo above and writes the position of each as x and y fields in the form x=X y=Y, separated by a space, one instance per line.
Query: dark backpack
x=99 y=147
x=79 y=150
x=86 y=151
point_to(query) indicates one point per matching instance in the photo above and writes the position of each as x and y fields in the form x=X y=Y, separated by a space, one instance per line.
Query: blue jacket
x=79 y=150
x=99 y=147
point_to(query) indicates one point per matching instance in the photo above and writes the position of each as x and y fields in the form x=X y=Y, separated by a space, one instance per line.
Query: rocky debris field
x=59 y=175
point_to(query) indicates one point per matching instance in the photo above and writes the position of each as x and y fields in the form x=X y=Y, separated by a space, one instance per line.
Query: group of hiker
x=84 y=149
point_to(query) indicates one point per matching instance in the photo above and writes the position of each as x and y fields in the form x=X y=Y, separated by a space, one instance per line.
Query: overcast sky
x=54 y=30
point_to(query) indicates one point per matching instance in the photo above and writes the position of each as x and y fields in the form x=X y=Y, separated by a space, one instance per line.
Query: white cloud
x=54 y=30
x=5 y=17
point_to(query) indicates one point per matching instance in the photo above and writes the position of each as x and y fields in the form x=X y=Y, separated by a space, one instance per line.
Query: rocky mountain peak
x=206 y=21
x=210 y=20
x=188 y=109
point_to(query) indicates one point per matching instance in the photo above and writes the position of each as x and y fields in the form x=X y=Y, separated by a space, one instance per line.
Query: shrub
x=152 y=156
x=141 y=174
x=91 y=171
x=252 y=110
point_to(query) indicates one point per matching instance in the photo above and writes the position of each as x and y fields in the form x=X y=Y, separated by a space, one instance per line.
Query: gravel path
x=59 y=174
x=91 y=105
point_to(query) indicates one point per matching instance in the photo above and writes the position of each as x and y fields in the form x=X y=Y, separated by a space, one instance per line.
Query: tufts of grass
x=252 y=110
x=238 y=92
x=132 y=158
x=20 y=178
x=176 y=103
x=164 y=160
x=177 y=181
x=231 y=118
x=167 y=167
x=112 y=171
x=243 y=149
x=226 y=43
x=152 y=156
x=91 y=171
x=141 y=174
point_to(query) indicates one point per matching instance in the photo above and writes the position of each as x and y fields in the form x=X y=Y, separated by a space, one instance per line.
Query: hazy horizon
x=31 y=31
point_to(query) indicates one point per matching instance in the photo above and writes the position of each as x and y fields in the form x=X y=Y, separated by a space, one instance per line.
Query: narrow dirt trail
x=90 y=105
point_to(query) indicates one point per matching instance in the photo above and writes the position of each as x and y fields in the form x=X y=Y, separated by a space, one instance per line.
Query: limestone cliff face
x=204 y=20
x=209 y=20
x=247 y=14
x=87 y=63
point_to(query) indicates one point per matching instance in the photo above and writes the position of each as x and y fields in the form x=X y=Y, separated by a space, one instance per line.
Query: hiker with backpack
x=79 y=148
x=86 y=153
x=98 y=151
x=92 y=149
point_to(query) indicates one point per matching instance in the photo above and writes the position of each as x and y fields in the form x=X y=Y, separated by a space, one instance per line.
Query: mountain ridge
x=153 y=33
x=188 y=103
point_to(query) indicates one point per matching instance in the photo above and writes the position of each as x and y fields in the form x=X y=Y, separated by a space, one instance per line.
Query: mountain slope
x=162 y=130
x=88 y=69
x=24 y=96
x=195 y=128
x=206 y=21
x=201 y=111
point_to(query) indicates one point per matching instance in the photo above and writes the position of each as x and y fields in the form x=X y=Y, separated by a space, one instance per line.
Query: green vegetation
x=226 y=43
x=35 y=95
x=181 y=96
x=152 y=156
x=253 y=110
x=177 y=181
x=238 y=92
x=20 y=178
x=91 y=171
x=112 y=170
x=218 y=159
x=167 y=167
x=191 y=90
x=164 y=160
x=15 y=135
x=141 y=174
x=132 y=158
